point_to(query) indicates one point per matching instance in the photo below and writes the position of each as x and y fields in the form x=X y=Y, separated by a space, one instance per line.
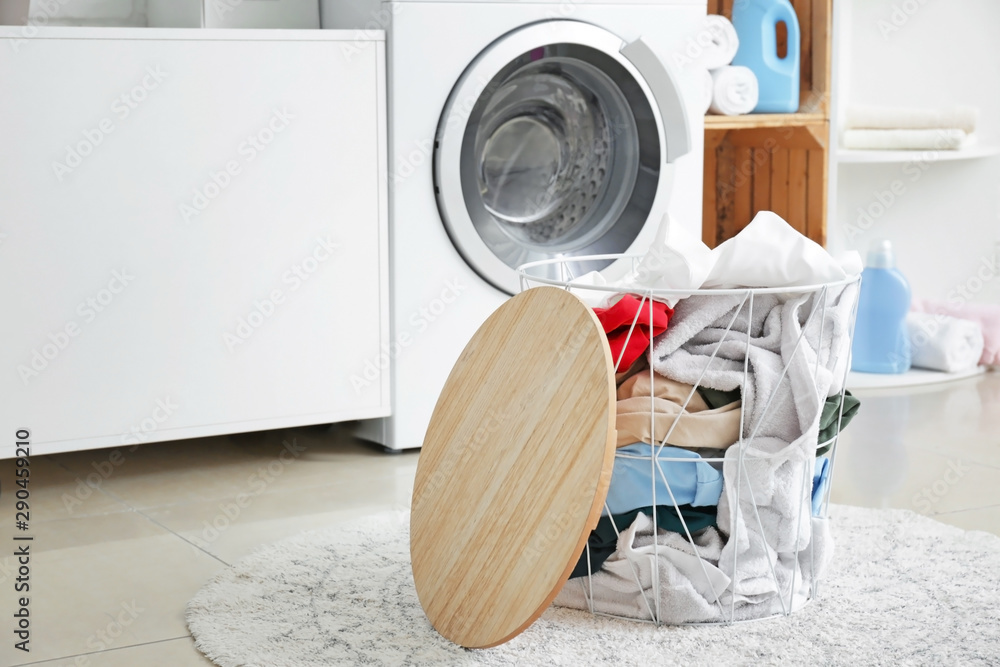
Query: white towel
x=768 y=528
x=708 y=89
x=678 y=260
x=901 y=118
x=771 y=253
x=943 y=343
x=625 y=585
x=675 y=260
x=944 y=139
x=715 y=45
x=735 y=90
x=592 y=297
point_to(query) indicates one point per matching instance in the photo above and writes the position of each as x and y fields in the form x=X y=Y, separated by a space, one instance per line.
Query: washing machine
x=519 y=131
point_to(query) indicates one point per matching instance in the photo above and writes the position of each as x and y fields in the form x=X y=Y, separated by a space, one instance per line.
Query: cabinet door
x=192 y=233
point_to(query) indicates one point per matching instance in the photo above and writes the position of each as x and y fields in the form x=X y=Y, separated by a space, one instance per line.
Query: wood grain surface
x=777 y=162
x=514 y=468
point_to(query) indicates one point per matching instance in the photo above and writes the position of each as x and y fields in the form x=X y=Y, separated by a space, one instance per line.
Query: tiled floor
x=113 y=567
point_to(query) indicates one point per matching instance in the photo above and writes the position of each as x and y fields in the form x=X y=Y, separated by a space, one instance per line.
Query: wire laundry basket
x=787 y=351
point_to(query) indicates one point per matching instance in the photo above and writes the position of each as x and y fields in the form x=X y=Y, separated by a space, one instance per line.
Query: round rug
x=903 y=589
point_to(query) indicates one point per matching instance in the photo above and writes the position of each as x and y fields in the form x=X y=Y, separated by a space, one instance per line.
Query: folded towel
x=715 y=45
x=707 y=90
x=901 y=118
x=907 y=140
x=944 y=343
x=735 y=90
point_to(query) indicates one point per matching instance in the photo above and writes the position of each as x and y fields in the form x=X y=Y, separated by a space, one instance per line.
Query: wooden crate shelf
x=776 y=162
x=763 y=120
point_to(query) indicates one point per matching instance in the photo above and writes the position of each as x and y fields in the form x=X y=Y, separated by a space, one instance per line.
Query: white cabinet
x=193 y=233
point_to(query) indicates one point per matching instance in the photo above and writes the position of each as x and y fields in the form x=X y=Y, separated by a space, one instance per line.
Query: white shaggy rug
x=903 y=590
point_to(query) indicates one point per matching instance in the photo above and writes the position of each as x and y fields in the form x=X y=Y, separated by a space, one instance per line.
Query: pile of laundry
x=728 y=405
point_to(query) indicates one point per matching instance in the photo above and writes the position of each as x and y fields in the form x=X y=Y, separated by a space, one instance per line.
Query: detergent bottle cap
x=881 y=256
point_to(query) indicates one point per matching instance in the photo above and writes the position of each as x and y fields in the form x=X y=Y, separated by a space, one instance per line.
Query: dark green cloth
x=831 y=412
x=716 y=398
x=603 y=540
x=827 y=420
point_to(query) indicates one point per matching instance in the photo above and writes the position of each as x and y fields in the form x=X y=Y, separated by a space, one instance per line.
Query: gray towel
x=689 y=591
x=770 y=528
x=626 y=584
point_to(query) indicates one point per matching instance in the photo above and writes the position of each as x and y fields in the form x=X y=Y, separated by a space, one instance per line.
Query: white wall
x=944 y=217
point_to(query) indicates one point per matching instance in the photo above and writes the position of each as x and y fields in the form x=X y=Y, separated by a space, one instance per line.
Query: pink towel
x=987 y=315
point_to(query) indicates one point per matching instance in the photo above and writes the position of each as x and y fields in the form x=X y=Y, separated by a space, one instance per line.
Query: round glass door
x=557 y=151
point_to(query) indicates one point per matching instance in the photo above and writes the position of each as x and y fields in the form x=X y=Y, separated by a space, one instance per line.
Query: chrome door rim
x=452 y=172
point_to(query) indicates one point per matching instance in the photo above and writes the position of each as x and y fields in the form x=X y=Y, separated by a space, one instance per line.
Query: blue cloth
x=821 y=480
x=693 y=483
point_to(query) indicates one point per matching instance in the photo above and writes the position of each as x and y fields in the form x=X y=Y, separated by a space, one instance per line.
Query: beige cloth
x=698 y=427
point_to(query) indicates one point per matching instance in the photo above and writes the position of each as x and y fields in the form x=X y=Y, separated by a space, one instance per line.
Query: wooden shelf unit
x=776 y=162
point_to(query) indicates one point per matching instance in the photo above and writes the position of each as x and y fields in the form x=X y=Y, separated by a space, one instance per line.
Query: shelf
x=848 y=156
x=912 y=378
x=774 y=162
x=766 y=120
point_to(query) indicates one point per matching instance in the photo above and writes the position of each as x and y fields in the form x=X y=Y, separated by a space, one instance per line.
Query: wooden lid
x=514 y=469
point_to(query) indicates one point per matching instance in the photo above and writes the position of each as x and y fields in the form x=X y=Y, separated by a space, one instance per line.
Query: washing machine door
x=554 y=143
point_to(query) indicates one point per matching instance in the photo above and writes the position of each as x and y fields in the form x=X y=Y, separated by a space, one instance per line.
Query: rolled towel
x=987 y=315
x=902 y=140
x=708 y=89
x=734 y=90
x=714 y=45
x=944 y=343
x=901 y=118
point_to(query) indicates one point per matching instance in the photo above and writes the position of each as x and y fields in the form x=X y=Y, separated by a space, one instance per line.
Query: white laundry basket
x=770 y=545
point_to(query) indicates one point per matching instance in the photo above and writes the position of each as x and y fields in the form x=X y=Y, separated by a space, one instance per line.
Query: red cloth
x=617 y=320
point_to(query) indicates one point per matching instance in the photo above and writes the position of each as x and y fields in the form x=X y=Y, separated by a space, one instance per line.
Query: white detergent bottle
x=881 y=339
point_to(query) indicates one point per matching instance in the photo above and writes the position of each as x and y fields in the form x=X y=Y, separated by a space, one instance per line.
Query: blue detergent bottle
x=756 y=23
x=881 y=340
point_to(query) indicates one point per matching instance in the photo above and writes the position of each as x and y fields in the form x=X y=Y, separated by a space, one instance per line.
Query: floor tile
x=928 y=449
x=107 y=581
x=53 y=492
x=166 y=517
x=230 y=528
x=914 y=479
x=962 y=418
x=171 y=653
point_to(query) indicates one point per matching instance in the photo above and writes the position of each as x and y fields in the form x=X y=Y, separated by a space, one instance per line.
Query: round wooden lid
x=514 y=469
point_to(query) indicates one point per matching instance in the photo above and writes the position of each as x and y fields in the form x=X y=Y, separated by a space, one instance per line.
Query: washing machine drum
x=553 y=144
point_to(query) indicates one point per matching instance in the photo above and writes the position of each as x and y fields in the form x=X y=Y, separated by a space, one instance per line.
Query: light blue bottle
x=756 y=23
x=881 y=340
